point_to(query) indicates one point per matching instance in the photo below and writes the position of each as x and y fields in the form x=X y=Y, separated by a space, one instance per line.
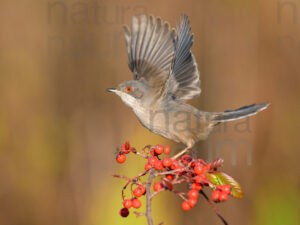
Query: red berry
x=136 y=203
x=148 y=166
x=157 y=186
x=180 y=169
x=143 y=189
x=192 y=202
x=198 y=169
x=201 y=178
x=152 y=151
x=226 y=188
x=158 y=165
x=167 y=162
x=152 y=160
x=121 y=158
x=127 y=203
x=126 y=147
x=175 y=165
x=207 y=167
x=170 y=177
x=216 y=195
x=223 y=197
x=219 y=187
x=185 y=206
x=196 y=186
x=124 y=212
x=137 y=192
x=186 y=159
x=159 y=149
x=167 y=150
x=193 y=194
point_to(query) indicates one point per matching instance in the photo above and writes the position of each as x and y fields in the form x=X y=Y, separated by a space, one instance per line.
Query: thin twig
x=180 y=194
x=125 y=178
x=182 y=181
x=139 y=214
x=140 y=154
x=146 y=147
x=156 y=192
x=129 y=180
x=170 y=172
x=214 y=207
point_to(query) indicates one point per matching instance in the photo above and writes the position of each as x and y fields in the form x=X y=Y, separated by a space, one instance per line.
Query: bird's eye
x=129 y=89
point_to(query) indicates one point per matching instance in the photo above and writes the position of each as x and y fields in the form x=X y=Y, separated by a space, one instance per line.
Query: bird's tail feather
x=239 y=113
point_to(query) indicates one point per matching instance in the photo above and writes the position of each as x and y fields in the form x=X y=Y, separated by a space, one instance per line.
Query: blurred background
x=59 y=128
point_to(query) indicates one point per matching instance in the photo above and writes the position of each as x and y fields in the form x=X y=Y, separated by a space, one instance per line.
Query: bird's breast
x=156 y=121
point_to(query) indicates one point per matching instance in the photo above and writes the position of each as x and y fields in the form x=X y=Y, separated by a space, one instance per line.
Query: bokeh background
x=59 y=128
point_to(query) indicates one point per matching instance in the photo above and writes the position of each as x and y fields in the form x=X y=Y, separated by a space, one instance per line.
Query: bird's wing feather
x=184 y=79
x=150 y=49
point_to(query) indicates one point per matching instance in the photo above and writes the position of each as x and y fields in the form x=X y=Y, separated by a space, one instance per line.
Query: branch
x=214 y=207
x=187 y=169
x=148 y=197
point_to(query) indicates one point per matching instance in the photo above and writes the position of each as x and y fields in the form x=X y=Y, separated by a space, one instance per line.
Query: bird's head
x=132 y=92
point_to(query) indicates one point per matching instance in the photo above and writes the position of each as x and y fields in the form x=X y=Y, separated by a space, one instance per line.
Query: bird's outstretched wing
x=150 y=47
x=184 y=80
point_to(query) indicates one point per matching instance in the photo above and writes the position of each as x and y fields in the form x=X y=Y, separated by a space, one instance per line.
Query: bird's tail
x=239 y=113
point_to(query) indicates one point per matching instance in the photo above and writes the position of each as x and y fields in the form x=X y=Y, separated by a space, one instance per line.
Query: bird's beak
x=111 y=89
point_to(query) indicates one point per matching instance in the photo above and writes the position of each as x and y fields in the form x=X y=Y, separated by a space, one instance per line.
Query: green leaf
x=213 y=178
x=220 y=178
x=117 y=150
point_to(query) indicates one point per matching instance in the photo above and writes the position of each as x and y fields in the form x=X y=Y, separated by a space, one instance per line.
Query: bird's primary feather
x=150 y=49
x=184 y=79
x=161 y=58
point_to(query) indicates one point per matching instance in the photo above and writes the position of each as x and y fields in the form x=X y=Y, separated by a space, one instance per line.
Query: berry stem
x=214 y=207
x=130 y=180
x=138 y=214
x=148 y=197
x=156 y=192
x=140 y=154
x=182 y=181
x=180 y=194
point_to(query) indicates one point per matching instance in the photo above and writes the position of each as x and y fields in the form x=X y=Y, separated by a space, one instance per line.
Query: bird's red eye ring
x=129 y=89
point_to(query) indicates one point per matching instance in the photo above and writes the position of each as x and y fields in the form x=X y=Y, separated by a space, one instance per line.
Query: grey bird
x=165 y=75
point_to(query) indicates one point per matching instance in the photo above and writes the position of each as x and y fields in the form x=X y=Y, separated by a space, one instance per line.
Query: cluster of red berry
x=221 y=193
x=133 y=202
x=125 y=149
x=153 y=161
x=185 y=169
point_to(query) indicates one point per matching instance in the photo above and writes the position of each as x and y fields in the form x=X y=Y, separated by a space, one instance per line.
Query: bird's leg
x=180 y=153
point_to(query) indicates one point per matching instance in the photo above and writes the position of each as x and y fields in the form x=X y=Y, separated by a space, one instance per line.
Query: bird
x=165 y=76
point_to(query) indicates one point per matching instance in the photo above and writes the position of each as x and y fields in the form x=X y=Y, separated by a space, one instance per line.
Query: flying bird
x=165 y=75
